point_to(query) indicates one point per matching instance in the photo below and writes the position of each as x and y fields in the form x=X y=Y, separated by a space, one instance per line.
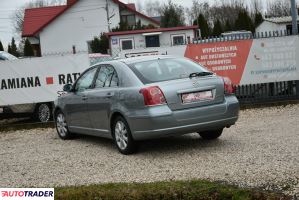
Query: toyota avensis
x=146 y=97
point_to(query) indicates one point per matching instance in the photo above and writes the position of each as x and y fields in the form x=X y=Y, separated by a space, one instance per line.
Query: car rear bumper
x=160 y=121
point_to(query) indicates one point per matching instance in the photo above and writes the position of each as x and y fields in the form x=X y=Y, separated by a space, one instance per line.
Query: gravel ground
x=261 y=150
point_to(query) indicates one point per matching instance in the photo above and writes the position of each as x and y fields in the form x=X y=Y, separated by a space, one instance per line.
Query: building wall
x=79 y=24
x=137 y=17
x=269 y=26
x=139 y=40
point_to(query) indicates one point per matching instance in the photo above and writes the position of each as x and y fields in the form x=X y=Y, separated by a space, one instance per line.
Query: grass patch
x=176 y=190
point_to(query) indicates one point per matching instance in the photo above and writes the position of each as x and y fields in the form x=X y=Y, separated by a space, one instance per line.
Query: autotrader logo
x=27 y=193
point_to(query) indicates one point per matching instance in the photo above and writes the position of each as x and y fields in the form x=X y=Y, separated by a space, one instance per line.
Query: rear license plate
x=197 y=96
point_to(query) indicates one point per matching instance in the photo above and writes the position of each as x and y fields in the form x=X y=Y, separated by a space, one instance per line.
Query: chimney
x=132 y=6
x=70 y=2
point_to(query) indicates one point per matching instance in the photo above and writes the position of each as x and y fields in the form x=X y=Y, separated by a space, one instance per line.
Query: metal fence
x=268 y=92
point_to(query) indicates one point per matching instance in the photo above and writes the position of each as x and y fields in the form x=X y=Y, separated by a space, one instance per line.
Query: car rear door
x=76 y=105
x=102 y=97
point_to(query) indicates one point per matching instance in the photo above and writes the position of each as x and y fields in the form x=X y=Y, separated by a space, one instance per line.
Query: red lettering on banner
x=224 y=58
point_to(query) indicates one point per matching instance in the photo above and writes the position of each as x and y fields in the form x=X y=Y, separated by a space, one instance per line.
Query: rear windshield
x=165 y=69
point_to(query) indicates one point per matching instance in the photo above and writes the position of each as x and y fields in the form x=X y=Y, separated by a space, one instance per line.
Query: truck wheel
x=211 y=135
x=43 y=112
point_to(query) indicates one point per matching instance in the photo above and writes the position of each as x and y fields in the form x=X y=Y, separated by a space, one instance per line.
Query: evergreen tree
x=217 y=30
x=95 y=45
x=1 y=46
x=203 y=25
x=100 y=45
x=122 y=26
x=258 y=19
x=244 y=22
x=104 y=44
x=227 y=26
x=28 y=51
x=138 y=25
x=172 y=15
x=9 y=49
x=13 y=48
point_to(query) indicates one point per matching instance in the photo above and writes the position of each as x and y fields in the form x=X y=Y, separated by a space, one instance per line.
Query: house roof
x=281 y=20
x=130 y=8
x=152 y=30
x=35 y=19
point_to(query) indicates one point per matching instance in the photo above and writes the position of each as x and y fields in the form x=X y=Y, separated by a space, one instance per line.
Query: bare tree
x=18 y=16
x=279 y=8
x=200 y=8
x=226 y=10
x=139 y=6
x=153 y=8
x=257 y=6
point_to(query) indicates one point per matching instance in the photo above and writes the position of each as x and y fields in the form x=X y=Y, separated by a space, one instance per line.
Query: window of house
x=152 y=41
x=126 y=44
x=129 y=19
x=178 y=40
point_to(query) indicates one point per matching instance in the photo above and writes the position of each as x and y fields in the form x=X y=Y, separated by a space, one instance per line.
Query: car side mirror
x=67 y=88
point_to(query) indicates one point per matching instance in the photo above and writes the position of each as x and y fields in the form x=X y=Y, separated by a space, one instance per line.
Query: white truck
x=29 y=86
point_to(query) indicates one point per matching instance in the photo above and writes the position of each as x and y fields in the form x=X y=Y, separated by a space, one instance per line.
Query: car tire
x=122 y=136
x=211 y=135
x=61 y=126
x=43 y=112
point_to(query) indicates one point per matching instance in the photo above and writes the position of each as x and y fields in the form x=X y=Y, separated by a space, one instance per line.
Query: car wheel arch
x=114 y=115
x=56 y=111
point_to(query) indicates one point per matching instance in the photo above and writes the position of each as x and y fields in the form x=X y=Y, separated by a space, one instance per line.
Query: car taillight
x=229 y=87
x=153 y=96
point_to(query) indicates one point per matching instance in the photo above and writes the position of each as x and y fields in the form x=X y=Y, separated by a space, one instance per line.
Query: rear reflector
x=229 y=87
x=153 y=96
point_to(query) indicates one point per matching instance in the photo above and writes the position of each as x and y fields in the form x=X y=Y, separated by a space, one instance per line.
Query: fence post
x=297 y=89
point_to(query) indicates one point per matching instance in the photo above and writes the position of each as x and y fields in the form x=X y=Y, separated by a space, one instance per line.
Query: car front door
x=102 y=97
x=76 y=105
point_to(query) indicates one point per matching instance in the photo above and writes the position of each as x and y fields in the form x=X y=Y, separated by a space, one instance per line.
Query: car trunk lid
x=192 y=92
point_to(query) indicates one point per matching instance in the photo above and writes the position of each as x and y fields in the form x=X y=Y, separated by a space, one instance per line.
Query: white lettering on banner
x=219 y=49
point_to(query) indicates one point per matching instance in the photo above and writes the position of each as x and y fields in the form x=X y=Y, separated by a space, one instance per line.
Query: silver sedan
x=146 y=97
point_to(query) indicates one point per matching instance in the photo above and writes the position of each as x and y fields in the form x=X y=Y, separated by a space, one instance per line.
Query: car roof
x=144 y=58
x=135 y=59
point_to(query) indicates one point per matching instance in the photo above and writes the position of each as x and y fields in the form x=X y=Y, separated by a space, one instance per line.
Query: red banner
x=224 y=58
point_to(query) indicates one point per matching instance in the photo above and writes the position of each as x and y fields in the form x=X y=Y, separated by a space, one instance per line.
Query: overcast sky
x=9 y=6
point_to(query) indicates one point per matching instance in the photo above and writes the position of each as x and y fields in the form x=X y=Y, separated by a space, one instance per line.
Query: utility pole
x=294 y=17
x=108 y=17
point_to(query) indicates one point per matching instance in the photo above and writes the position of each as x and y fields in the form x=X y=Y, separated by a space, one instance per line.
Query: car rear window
x=165 y=69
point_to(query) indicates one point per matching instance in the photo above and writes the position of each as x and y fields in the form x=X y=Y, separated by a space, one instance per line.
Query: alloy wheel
x=121 y=135
x=61 y=125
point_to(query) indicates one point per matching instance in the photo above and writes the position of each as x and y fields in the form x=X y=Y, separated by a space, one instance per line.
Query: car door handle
x=84 y=98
